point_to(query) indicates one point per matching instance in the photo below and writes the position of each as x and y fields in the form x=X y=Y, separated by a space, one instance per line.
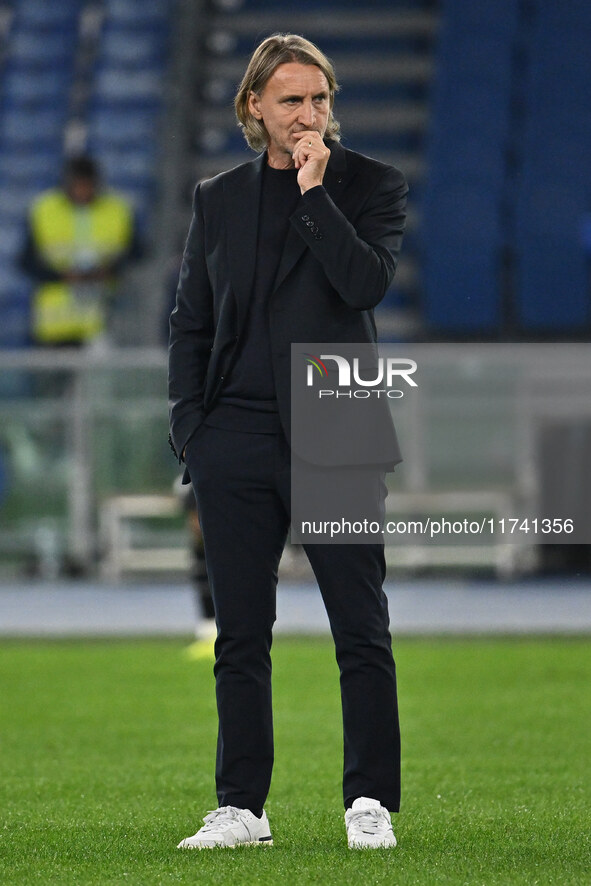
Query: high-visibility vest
x=70 y=237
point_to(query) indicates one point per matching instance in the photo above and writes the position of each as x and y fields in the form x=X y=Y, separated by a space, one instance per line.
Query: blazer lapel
x=244 y=190
x=333 y=182
x=242 y=196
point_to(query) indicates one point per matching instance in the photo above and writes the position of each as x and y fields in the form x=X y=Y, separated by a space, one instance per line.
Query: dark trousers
x=242 y=485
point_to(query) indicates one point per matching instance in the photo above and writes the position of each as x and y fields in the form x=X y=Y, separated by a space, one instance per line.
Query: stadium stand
x=461 y=229
x=553 y=187
x=128 y=95
x=382 y=56
x=38 y=40
x=503 y=243
x=473 y=101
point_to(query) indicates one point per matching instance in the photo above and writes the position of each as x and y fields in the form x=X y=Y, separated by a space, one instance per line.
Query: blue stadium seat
x=41 y=14
x=557 y=36
x=478 y=109
x=552 y=190
x=462 y=292
x=476 y=59
x=470 y=160
x=373 y=142
x=550 y=152
x=124 y=87
x=461 y=268
x=123 y=47
x=14 y=322
x=39 y=50
x=464 y=206
x=125 y=128
x=139 y=165
x=585 y=229
x=126 y=97
x=356 y=89
x=41 y=166
x=553 y=286
x=468 y=136
x=11 y=241
x=34 y=88
x=139 y=196
x=553 y=277
x=333 y=6
x=154 y=13
x=16 y=197
x=363 y=44
x=31 y=127
x=353 y=89
x=15 y=294
x=481 y=19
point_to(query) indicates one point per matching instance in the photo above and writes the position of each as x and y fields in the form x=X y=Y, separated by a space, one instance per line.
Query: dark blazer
x=339 y=258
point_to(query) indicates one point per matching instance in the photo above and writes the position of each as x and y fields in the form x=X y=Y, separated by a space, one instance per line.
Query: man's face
x=295 y=99
x=81 y=190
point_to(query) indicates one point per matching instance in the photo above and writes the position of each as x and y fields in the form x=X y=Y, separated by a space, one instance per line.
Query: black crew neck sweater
x=248 y=399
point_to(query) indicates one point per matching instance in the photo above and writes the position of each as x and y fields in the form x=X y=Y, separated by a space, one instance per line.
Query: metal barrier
x=56 y=409
x=83 y=430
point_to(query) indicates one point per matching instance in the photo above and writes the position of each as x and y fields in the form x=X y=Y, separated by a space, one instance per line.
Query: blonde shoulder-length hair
x=272 y=52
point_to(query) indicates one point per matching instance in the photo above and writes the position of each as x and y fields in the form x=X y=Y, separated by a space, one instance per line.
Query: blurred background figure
x=78 y=240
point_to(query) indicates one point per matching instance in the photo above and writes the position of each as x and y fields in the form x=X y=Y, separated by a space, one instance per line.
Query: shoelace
x=212 y=822
x=369 y=821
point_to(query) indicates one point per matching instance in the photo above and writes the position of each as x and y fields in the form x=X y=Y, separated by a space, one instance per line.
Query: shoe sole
x=264 y=841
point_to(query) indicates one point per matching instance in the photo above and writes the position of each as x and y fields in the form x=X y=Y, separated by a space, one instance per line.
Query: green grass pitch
x=107 y=754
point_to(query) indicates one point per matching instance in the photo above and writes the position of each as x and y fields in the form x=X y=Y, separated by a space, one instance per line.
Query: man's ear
x=254 y=105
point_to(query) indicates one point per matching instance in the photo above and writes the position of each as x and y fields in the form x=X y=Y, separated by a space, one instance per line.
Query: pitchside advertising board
x=469 y=444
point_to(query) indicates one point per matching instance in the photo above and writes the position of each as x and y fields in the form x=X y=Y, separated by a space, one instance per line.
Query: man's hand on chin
x=310 y=157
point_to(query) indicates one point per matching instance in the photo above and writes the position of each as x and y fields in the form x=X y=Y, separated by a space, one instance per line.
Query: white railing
x=474 y=429
x=76 y=409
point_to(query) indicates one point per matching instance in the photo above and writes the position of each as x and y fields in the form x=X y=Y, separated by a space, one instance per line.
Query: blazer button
x=318 y=237
x=305 y=217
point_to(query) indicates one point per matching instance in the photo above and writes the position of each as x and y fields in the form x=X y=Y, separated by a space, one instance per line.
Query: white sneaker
x=229 y=826
x=369 y=825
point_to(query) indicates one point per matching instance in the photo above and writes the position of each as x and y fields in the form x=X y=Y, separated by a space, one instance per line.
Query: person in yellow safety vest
x=78 y=239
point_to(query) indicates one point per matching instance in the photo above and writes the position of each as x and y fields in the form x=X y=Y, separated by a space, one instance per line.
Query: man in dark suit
x=298 y=245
